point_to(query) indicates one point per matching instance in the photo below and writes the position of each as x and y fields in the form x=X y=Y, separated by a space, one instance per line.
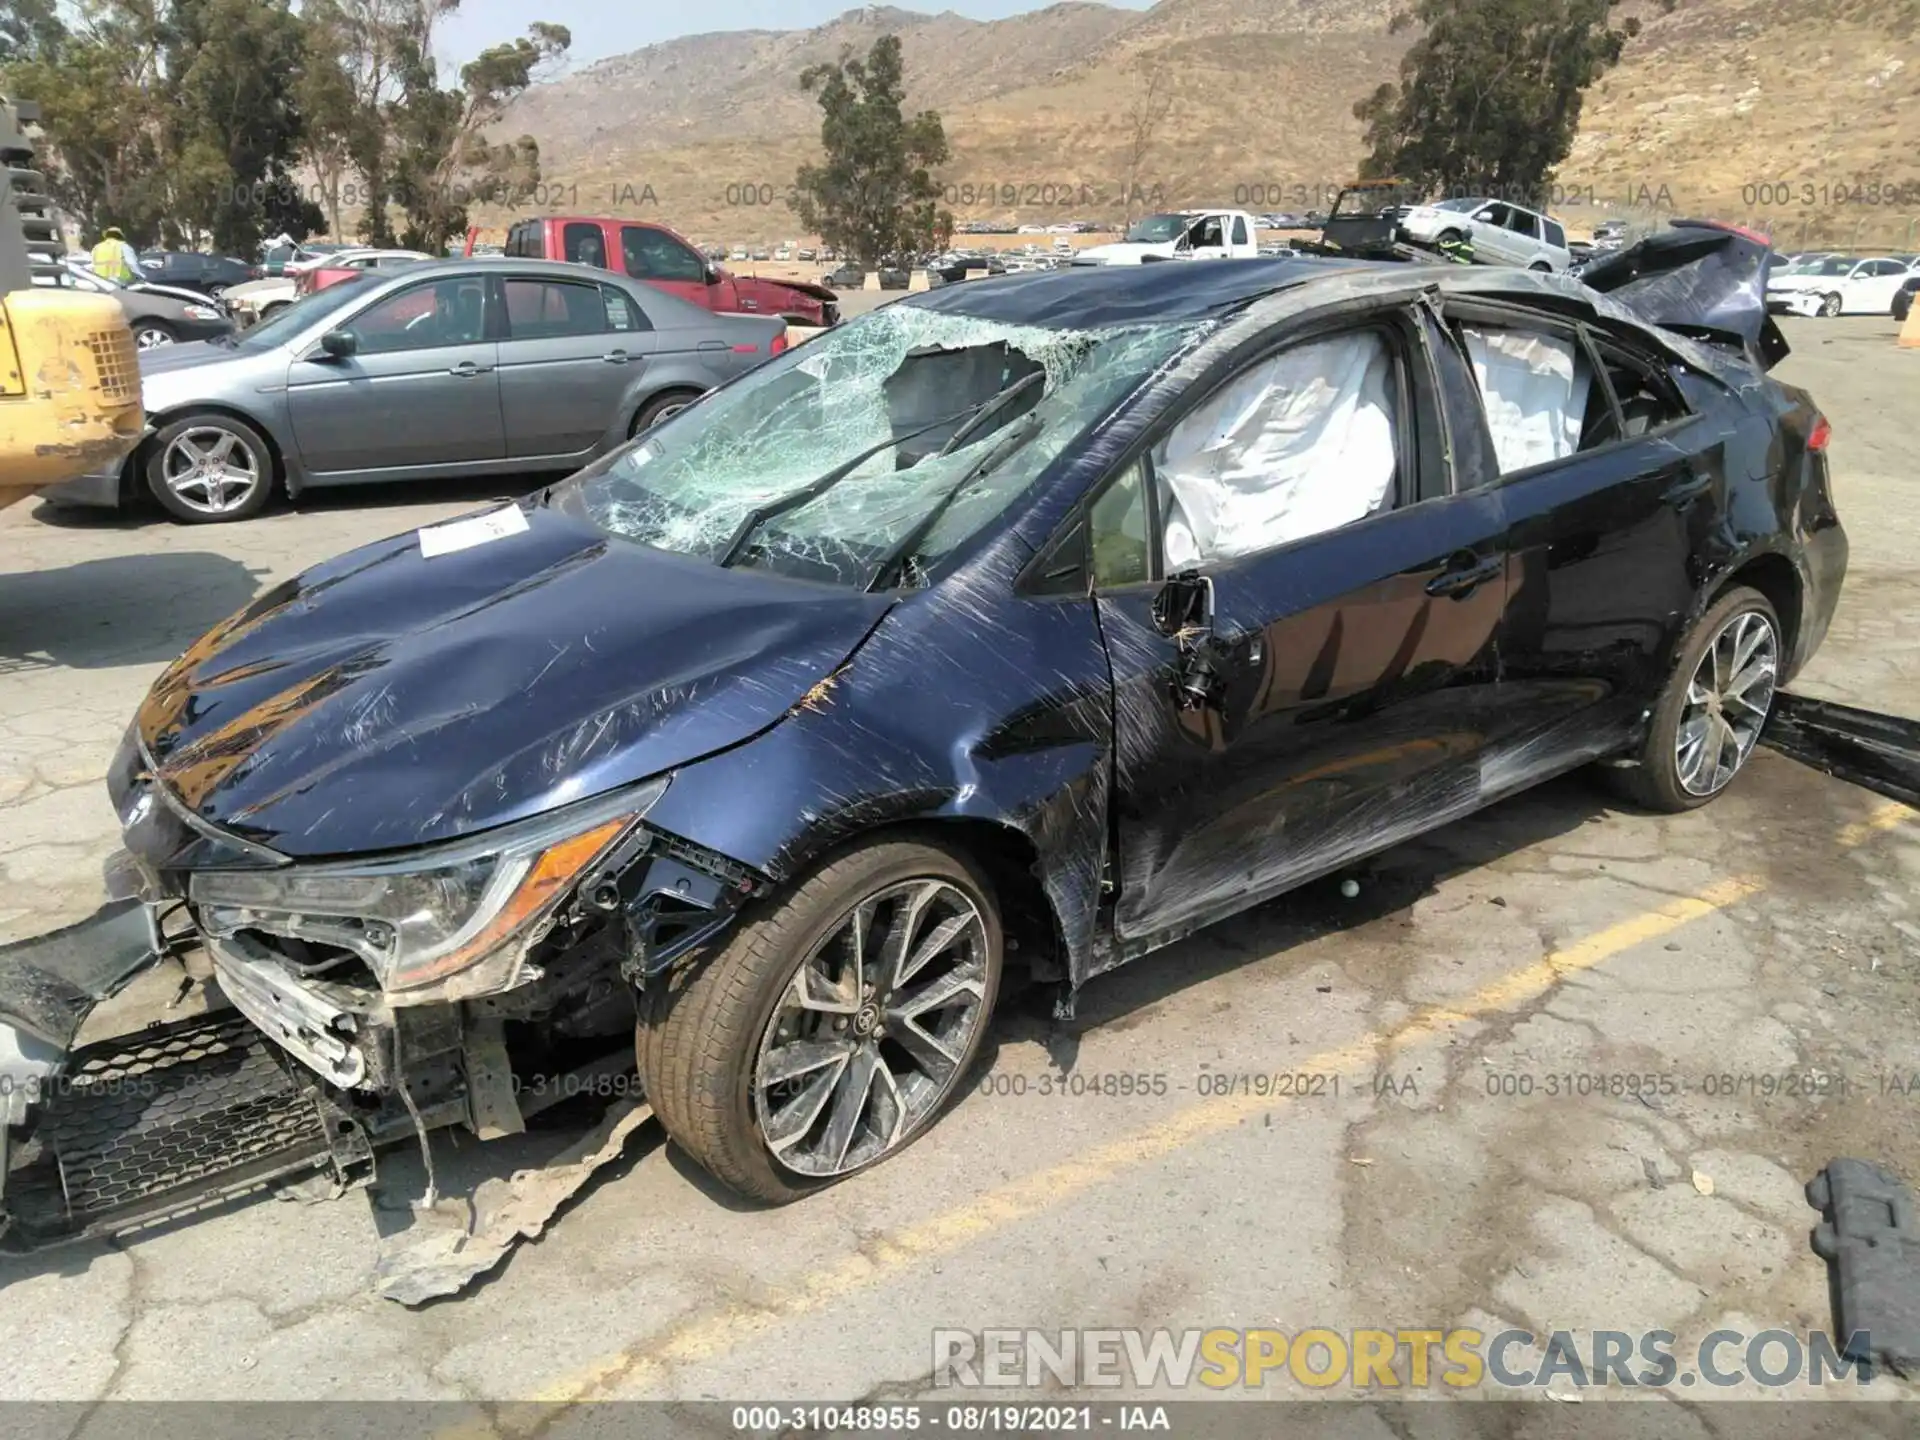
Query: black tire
x=275 y=308
x=214 y=292
x=1450 y=237
x=659 y=408
x=1902 y=305
x=150 y=334
x=162 y=456
x=701 y=1028
x=1655 y=782
x=1829 y=305
x=1541 y=267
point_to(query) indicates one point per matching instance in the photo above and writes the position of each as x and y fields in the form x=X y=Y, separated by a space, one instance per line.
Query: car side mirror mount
x=339 y=343
x=714 y=274
x=1183 y=612
x=1184 y=606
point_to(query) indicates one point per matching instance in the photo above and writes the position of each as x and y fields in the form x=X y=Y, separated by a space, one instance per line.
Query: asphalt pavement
x=1353 y=1122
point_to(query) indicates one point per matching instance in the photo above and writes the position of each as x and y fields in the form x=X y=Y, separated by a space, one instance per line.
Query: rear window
x=1556 y=235
x=527 y=240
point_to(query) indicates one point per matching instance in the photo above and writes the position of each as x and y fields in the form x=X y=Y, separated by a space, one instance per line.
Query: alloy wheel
x=151 y=338
x=1830 y=306
x=866 y=1041
x=210 y=470
x=1727 y=703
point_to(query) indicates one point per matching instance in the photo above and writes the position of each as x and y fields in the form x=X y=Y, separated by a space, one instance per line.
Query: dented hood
x=1697 y=278
x=387 y=699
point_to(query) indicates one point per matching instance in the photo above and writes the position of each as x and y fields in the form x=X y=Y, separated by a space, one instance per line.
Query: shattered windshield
x=1158 y=229
x=960 y=415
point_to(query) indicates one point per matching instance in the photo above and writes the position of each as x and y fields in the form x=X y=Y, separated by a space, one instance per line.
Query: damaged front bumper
x=131 y=1094
x=1793 y=302
x=149 y=1070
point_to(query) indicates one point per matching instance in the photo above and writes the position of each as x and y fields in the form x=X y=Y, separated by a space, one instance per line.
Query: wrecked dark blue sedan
x=1037 y=620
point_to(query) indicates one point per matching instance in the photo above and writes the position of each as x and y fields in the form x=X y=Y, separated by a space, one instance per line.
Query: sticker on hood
x=474 y=530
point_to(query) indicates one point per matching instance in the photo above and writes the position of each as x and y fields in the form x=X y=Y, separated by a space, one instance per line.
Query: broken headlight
x=444 y=923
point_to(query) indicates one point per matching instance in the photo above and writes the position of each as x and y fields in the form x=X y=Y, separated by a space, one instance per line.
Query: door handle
x=715 y=345
x=1462 y=581
x=466 y=369
x=1685 y=491
x=615 y=357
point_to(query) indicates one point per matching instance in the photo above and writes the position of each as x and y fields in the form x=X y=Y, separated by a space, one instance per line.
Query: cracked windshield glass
x=944 y=420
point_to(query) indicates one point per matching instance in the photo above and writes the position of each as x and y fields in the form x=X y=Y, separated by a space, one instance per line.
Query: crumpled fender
x=1018 y=734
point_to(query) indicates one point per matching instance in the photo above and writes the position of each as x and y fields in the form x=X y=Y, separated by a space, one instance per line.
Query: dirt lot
x=1435 y=1174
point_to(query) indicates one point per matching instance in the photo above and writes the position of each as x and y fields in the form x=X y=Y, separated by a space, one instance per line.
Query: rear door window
x=1556 y=235
x=550 y=309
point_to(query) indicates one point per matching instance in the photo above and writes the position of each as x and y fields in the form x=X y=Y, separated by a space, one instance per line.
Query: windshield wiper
x=814 y=489
x=902 y=552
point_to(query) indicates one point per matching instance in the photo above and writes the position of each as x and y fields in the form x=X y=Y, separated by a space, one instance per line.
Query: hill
x=1782 y=110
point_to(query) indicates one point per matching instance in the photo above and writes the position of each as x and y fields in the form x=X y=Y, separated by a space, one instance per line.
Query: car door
x=1314 y=682
x=1492 y=239
x=1872 y=289
x=653 y=256
x=1608 y=486
x=571 y=351
x=421 y=388
x=1207 y=238
x=1525 y=227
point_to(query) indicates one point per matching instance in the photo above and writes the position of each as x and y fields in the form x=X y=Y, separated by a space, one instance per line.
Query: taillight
x=779 y=343
x=1822 y=433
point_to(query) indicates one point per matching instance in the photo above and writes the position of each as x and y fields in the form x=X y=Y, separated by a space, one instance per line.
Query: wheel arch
x=1774 y=576
x=647 y=397
x=1006 y=854
x=133 y=474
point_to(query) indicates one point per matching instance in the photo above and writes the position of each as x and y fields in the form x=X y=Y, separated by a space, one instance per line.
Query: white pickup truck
x=1180 y=235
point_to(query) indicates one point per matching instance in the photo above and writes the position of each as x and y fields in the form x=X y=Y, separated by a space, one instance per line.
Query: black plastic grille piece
x=146 y=1124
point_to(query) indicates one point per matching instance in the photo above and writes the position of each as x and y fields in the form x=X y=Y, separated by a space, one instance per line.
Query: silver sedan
x=446 y=369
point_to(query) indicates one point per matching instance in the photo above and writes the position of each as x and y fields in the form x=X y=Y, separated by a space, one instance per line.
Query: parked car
x=276 y=257
x=1498 y=231
x=1838 y=285
x=1610 y=234
x=208 y=275
x=1903 y=298
x=157 y=319
x=257 y=299
x=850 y=276
x=82 y=269
x=464 y=367
x=1040 y=622
x=1180 y=235
x=332 y=269
x=662 y=257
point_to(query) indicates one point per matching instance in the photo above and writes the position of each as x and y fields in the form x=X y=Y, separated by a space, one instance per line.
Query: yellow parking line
x=718 y=1332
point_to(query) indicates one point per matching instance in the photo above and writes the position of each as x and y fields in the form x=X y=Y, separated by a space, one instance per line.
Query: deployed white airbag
x=1300 y=444
x=1535 y=391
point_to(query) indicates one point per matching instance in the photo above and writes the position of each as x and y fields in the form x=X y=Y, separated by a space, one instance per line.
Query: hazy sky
x=608 y=27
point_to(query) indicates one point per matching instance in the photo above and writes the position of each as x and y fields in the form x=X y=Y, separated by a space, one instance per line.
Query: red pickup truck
x=662 y=257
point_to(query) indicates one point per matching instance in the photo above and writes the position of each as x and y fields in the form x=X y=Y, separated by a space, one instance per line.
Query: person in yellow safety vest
x=114 y=258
